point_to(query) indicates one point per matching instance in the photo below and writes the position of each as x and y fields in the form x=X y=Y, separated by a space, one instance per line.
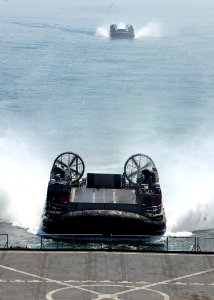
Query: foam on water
x=23 y=183
x=102 y=31
x=187 y=177
x=178 y=234
x=150 y=30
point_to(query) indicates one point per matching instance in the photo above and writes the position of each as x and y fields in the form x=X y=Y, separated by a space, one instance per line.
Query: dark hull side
x=104 y=222
x=122 y=36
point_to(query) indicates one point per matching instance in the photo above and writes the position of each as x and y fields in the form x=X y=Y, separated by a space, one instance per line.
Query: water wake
x=187 y=177
x=178 y=234
x=23 y=181
x=102 y=31
x=150 y=30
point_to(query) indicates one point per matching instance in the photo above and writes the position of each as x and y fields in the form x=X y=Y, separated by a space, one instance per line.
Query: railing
x=192 y=244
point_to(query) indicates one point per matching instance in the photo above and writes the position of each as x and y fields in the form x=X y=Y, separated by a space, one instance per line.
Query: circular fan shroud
x=72 y=164
x=134 y=166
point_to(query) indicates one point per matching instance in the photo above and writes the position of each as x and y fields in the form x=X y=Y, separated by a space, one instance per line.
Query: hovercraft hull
x=104 y=222
x=107 y=204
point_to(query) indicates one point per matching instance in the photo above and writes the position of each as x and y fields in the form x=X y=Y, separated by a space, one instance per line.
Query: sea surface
x=65 y=86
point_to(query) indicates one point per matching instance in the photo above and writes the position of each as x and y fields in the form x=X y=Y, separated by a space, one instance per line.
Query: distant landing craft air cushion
x=119 y=204
x=121 y=33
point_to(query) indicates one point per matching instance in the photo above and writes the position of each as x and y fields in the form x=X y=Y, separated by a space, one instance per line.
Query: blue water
x=64 y=85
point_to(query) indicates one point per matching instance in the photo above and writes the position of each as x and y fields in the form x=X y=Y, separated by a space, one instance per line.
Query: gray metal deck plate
x=92 y=195
x=103 y=275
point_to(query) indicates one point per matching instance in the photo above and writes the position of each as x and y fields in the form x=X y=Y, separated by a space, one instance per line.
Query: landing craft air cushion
x=121 y=33
x=109 y=204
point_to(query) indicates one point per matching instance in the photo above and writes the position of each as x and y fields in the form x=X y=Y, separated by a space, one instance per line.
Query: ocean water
x=64 y=85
